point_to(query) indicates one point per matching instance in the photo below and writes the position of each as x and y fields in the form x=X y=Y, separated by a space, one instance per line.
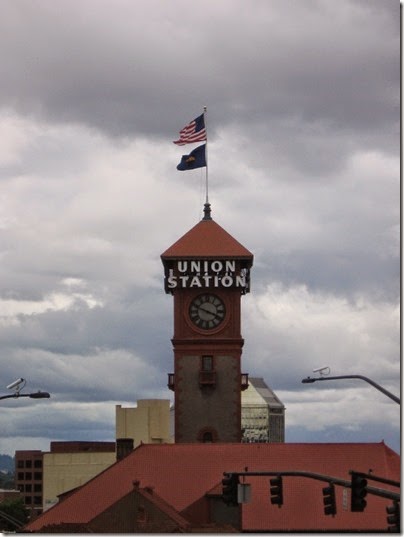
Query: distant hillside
x=6 y=463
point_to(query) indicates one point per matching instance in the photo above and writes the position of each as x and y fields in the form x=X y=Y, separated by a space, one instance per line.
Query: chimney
x=124 y=446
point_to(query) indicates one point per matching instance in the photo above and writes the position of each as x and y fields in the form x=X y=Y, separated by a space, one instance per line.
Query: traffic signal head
x=330 y=506
x=229 y=488
x=276 y=489
x=393 y=518
x=358 y=493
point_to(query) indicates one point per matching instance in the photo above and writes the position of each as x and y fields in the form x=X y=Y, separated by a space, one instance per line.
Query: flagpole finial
x=207 y=212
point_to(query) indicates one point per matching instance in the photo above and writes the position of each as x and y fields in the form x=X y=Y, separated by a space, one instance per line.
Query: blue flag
x=196 y=159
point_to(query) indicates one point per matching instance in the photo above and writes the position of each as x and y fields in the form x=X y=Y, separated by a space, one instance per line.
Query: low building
x=71 y=464
x=42 y=476
x=9 y=494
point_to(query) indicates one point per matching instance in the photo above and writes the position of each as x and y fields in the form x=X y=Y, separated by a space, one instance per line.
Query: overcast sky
x=303 y=130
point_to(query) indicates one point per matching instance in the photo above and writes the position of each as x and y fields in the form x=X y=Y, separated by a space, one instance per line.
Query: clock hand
x=208 y=310
x=205 y=309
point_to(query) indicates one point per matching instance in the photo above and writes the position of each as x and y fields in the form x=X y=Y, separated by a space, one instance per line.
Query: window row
x=27 y=476
x=37 y=500
x=29 y=463
x=28 y=487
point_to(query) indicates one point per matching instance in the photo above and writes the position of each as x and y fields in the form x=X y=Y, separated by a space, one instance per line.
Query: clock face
x=207 y=311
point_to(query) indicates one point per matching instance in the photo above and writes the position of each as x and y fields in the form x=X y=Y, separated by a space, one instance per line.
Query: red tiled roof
x=183 y=473
x=207 y=239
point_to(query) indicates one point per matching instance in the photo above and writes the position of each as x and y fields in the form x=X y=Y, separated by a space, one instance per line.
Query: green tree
x=13 y=514
x=7 y=480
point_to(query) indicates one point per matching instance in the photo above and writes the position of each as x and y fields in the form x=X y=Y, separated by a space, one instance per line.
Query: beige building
x=148 y=422
x=71 y=464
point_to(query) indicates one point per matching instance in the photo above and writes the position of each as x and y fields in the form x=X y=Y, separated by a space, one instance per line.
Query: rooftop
x=182 y=474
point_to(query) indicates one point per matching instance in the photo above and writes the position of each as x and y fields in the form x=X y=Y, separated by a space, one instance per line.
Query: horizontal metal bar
x=321 y=477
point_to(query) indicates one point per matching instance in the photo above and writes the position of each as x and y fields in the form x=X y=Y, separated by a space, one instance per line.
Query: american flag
x=193 y=132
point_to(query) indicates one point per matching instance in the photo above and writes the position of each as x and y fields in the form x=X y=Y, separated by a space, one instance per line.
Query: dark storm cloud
x=84 y=331
x=103 y=66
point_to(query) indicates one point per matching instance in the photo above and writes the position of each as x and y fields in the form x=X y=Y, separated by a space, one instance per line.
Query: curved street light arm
x=35 y=395
x=309 y=380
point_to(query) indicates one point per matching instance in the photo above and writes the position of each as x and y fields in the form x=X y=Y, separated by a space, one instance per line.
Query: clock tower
x=207 y=271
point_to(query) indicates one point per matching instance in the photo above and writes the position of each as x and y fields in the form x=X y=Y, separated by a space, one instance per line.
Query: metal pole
x=206 y=156
x=321 y=477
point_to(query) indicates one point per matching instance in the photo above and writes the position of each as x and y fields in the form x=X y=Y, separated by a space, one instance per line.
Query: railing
x=207 y=378
x=244 y=381
x=171 y=381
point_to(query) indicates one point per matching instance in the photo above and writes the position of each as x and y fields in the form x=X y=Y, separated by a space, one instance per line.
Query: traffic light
x=330 y=506
x=229 y=488
x=358 y=492
x=276 y=490
x=393 y=518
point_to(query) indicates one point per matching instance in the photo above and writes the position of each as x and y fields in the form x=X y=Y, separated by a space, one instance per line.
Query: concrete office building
x=262 y=413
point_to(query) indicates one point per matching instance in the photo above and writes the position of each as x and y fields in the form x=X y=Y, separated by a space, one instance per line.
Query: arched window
x=207 y=435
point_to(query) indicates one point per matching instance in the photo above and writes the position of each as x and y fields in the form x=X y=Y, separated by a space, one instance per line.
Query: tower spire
x=207 y=211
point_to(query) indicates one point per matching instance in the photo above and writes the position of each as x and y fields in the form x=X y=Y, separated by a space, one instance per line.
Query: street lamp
x=18 y=385
x=310 y=380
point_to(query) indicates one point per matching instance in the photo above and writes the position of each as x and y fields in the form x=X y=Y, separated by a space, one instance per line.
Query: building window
x=37 y=500
x=28 y=475
x=37 y=487
x=141 y=516
x=38 y=476
x=207 y=373
x=28 y=464
x=207 y=363
x=28 y=488
x=20 y=464
x=20 y=476
x=38 y=463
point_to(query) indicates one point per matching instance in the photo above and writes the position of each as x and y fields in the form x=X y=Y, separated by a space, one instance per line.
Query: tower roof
x=259 y=392
x=208 y=240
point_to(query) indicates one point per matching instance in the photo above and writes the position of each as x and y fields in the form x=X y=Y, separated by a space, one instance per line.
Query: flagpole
x=207 y=204
x=206 y=155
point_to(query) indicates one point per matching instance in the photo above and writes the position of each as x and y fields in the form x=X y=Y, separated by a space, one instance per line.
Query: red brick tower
x=207 y=271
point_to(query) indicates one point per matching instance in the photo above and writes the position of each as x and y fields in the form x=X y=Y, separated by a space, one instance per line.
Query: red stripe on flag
x=188 y=135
